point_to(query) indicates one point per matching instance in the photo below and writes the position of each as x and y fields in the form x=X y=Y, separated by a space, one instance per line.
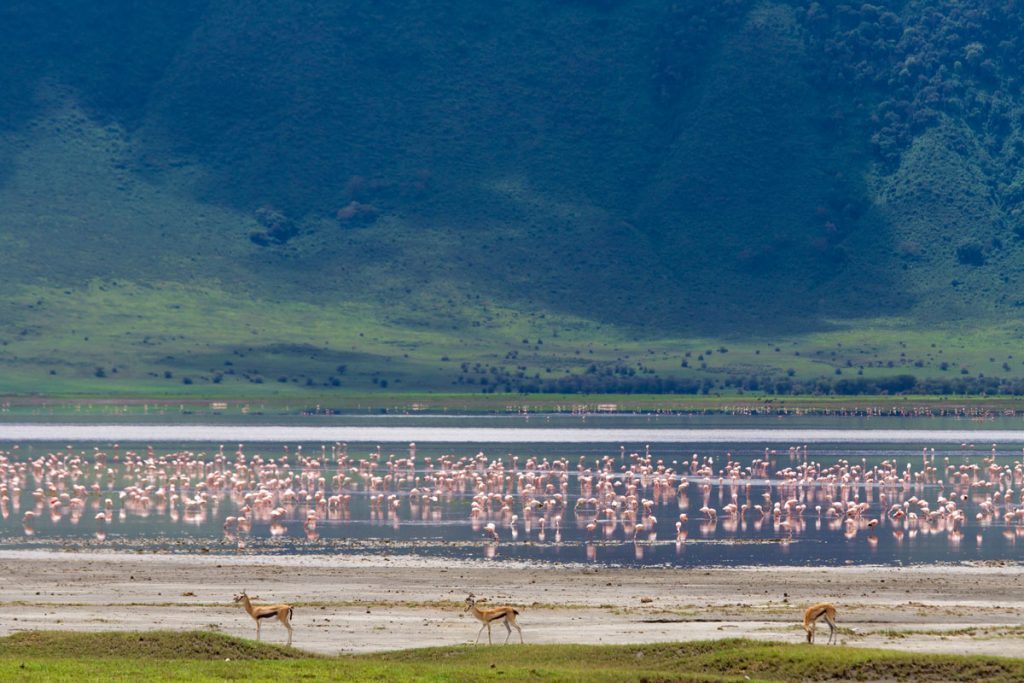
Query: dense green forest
x=210 y=196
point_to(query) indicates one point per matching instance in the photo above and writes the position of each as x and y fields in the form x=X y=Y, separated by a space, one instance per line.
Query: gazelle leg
x=509 y=629
x=489 y=634
x=832 y=629
x=480 y=632
x=289 y=627
x=257 y=630
x=516 y=626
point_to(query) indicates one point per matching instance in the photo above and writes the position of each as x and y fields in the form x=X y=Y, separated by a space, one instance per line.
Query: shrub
x=971 y=254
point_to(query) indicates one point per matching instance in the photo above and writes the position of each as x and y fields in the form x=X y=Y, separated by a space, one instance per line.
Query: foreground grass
x=207 y=656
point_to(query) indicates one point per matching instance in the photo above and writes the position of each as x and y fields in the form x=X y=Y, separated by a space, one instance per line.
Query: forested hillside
x=374 y=186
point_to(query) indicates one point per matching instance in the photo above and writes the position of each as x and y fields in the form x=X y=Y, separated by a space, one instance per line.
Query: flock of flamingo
x=613 y=499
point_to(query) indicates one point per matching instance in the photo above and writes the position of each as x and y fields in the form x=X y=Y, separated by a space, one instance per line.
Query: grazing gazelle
x=258 y=612
x=815 y=612
x=504 y=613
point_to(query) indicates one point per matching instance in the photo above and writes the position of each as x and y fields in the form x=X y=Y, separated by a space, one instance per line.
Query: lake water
x=601 y=489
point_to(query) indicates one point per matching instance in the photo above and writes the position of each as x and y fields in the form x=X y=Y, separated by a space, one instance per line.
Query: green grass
x=156 y=645
x=165 y=655
x=200 y=341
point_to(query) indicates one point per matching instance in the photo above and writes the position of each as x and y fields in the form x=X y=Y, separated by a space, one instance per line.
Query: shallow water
x=285 y=461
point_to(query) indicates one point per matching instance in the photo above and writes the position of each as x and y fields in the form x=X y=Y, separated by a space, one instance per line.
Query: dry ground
x=368 y=603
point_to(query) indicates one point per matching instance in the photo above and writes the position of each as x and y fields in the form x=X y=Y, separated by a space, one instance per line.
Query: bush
x=971 y=254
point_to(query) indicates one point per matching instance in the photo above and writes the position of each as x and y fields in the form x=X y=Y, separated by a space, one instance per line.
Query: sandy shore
x=368 y=603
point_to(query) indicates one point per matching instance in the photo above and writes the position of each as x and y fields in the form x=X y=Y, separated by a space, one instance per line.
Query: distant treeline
x=785 y=386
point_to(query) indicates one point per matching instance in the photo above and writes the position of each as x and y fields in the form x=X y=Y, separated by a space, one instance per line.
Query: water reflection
x=650 y=505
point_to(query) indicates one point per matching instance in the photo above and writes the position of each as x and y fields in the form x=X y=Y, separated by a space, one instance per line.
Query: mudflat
x=348 y=603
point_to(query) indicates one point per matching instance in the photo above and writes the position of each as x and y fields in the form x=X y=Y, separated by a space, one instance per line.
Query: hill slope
x=385 y=185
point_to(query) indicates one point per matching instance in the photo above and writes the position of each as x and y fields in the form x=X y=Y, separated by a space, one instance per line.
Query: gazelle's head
x=470 y=601
x=241 y=596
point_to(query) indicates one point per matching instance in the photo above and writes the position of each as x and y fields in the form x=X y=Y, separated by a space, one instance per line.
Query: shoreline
x=967 y=406
x=410 y=560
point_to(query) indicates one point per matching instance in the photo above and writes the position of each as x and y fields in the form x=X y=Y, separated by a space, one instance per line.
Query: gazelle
x=815 y=612
x=258 y=612
x=488 y=616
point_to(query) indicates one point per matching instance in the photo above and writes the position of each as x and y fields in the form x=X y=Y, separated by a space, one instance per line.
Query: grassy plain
x=167 y=655
x=116 y=338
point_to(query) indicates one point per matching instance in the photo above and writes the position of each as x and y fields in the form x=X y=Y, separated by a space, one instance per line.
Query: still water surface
x=565 y=490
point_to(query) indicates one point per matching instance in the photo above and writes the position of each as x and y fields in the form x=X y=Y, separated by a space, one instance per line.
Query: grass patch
x=164 y=655
x=197 y=645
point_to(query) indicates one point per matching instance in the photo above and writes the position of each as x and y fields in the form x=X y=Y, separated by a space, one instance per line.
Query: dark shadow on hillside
x=760 y=203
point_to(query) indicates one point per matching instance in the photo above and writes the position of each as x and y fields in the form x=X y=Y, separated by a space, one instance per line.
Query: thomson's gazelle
x=259 y=612
x=505 y=614
x=815 y=612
